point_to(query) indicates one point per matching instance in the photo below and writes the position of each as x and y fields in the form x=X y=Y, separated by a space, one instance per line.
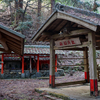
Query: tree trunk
x=38 y=13
x=95 y=6
x=16 y=8
x=21 y=4
x=52 y=5
x=16 y=4
x=39 y=8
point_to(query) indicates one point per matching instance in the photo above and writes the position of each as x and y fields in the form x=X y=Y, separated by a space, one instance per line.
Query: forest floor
x=24 y=89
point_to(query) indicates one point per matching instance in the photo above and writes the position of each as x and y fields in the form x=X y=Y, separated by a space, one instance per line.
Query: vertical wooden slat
x=52 y=65
x=93 y=65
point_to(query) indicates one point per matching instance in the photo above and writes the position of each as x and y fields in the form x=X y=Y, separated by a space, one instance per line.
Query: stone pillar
x=23 y=74
x=56 y=63
x=2 y=68
x=52 y=65
x=93 y=65
x=86 y=66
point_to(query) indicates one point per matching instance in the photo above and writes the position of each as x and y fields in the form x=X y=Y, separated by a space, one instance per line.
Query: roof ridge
x=65 y=8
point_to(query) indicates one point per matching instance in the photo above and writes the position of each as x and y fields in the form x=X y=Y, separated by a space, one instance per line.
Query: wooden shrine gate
x=66 y=31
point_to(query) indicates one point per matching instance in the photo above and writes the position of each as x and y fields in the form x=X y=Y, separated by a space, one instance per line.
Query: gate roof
x=11 y=40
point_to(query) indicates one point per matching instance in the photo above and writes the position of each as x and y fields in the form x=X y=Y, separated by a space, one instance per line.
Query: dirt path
x=24 y=89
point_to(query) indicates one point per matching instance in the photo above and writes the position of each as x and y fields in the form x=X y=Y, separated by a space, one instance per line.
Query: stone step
x=52 y=98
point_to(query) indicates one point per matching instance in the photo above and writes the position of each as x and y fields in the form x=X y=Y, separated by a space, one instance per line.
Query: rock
x=2 y=76
x=27 y=74
x=38 y=74
x=18 y=75
x=60 y=72
x=23 y=75
x=56 y=74
x=33 y=76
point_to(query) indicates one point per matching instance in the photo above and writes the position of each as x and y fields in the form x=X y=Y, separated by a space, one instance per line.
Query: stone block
x=38 y=74
x=23 y=75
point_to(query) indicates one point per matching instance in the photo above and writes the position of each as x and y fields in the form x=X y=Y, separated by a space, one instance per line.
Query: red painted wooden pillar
x=30 y=65
x=86 y=66
x=38 y=63
x=52 y=65
x=92 y=65
x=22 y=64
x=2 y=68
x=56 y=63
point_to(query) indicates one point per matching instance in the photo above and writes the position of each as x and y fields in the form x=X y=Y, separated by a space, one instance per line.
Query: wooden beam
x=11 y=39
x=12 y=43
x=63 y=23
x=4 y=44
x=6 y=51
x=16 y=51
x=97 y=48
x=53 y=24
x=97 y=35
x=46 y=34
x=44 y=27
x=22 y=46
x=52 y=65
x=80 y=21
x=93 y=65
x=79 y=47
x=72 y=33
x=9 y=34
x=13 y=47
x=70 y=83
x=92 y=55
x=97 y=41
x=74 y=49
x=70 y=58
x=98 y=44
x=71 y=48
x=72 y=65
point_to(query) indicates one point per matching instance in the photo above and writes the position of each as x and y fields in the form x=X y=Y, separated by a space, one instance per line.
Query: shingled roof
x=39 y=49
x=11 y=40
x=72 y=18
x=84 y=14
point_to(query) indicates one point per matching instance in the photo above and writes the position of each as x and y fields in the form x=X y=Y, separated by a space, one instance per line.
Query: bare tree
x=39 y=8
x=95 y=5
x=16 y=9
x=38 y=13
x=52 y=5
x=21 y=4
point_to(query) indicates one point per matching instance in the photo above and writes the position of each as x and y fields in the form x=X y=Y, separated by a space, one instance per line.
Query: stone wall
x=12 y=74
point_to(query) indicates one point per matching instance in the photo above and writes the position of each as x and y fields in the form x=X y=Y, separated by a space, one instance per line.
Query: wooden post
x=56 y=63
x=38 y=63
x=2 y=68
x=52 y=65
x=30 y=65
x=86 y=67
x=93 y=65
x=22 y=64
